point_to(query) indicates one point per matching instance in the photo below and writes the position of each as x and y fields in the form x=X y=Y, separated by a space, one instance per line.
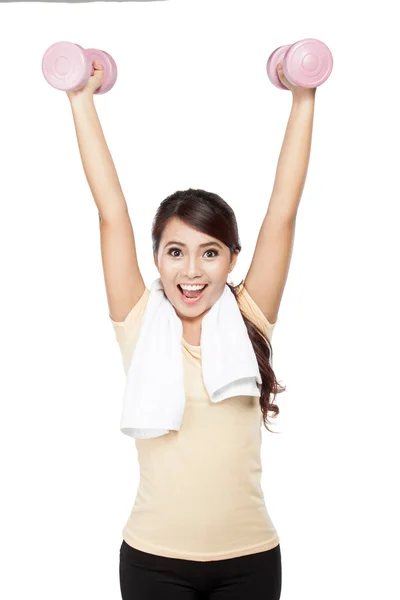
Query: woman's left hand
x=298 y=92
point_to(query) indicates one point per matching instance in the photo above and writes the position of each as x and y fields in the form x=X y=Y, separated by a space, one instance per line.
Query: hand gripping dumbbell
x=68 y=66
x=307 y=64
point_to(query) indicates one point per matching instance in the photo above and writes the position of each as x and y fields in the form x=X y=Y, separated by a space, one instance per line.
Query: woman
x=199 y=527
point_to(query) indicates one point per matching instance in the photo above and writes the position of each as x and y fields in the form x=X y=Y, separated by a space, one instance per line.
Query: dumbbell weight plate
x=272 y=63
x=110 y=68
x=65 y=66
x=308 y=63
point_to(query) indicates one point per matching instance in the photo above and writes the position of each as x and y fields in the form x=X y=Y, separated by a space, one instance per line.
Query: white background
x=193 y=107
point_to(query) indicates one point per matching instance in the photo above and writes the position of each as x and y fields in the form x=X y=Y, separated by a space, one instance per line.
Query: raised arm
x=268 y=272
x=123 y=279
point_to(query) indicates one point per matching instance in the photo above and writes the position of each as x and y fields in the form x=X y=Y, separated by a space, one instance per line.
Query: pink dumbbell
x=307 y=64
x=68 y=66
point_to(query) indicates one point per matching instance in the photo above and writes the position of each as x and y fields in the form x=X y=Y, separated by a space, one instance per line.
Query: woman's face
x=187 y=256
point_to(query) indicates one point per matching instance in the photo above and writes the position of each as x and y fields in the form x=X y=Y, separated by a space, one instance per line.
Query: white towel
x=154 y=397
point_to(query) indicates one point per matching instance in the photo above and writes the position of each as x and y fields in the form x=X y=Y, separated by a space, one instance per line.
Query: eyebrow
x=201 y=245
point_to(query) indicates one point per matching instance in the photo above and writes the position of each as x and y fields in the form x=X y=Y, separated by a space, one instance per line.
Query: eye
x=178 y=250
x=174 y=250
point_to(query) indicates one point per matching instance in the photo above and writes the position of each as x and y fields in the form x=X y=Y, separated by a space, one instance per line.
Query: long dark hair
x=210 y=214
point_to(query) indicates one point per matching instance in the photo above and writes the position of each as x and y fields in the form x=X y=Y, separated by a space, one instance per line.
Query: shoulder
x=136 y=312
x=252 y=311
x=127 y=331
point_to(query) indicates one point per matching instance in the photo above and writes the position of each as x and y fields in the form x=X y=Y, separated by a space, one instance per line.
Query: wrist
x=304 y=96
x=80 y=99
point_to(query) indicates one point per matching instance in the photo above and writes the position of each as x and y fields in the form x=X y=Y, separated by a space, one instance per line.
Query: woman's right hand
x=93 y=83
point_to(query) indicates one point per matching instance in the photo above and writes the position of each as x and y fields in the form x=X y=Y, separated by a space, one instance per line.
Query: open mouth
x=191 y=296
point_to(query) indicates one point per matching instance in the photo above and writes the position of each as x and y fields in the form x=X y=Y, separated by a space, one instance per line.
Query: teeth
x=192 y=287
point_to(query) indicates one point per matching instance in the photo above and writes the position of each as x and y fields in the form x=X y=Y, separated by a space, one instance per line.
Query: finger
x=281 y=74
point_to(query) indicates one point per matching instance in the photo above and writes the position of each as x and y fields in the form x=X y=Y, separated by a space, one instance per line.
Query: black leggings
x=145 y=576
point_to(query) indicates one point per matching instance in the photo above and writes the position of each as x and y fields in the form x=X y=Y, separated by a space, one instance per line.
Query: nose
x=193 y=268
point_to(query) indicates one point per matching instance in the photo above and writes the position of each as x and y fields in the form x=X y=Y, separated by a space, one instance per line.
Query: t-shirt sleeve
x=127 y=331
x=254 y=313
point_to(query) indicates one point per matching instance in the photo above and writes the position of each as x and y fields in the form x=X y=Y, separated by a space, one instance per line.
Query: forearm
x=97 y=162
x=293 y=160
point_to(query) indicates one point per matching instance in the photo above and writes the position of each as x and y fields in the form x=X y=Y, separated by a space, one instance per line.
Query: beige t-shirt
x=199 y=495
